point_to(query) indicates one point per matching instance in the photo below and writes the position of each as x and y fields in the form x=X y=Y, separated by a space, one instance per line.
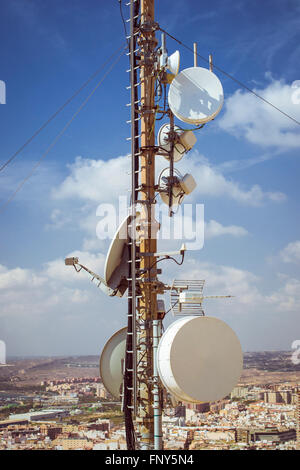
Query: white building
x=40 y=415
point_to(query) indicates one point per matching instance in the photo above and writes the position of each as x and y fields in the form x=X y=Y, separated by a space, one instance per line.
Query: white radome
x=200 y=359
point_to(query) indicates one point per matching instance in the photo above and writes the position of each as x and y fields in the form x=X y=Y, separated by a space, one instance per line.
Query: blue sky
x=246 y=164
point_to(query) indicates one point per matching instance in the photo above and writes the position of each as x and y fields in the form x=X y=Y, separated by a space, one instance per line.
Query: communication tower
x=198 y=358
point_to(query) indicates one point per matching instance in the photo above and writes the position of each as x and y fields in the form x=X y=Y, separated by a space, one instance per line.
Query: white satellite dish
x=199 y=359
x=116 y=263
x=111 y=362
x=173 y=62
x=196 y=95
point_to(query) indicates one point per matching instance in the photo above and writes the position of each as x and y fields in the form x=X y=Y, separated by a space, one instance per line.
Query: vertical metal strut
x=143 y=323
x=147 y=305
x=134 y=11
x=130 y=374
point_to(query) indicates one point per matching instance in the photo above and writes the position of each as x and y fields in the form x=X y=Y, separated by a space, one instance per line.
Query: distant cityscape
x=61 y=404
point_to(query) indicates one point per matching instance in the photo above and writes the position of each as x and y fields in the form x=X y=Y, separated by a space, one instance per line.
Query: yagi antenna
x=186 y=297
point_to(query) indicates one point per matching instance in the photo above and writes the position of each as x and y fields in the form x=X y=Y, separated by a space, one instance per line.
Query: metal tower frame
x=141 y=383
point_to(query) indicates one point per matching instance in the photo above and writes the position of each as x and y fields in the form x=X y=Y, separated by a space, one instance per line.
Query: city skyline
x=64 y=405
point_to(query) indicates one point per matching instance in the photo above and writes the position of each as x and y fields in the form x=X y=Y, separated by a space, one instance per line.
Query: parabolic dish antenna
x=177 y=196
x=111 y=362
x=196 y=95
x=163 y=141
x=116 y=263
x=199 y=359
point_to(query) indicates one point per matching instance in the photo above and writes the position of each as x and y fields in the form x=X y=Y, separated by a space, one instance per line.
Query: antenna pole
x=195 y=55
x=147 y=304
x=171 y=173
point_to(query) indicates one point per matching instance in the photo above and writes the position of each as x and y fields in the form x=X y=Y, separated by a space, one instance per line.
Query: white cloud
x=54 y=310
x=13 y=278
x=59 y=219
x=53 y=285
x=61 y=312
x=215 y=229
x=249 y=297
x=57 y=270
x=95 y=180
x=248 y=116
x=291 y=253
x=212 y=183
x=89 y=187
x=92 y=182
x=34 y=292
x=287 y=298
x=94 y=244
x=225 y=280
x=190 y=228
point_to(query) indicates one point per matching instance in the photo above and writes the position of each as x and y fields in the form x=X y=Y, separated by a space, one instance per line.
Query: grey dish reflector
x=111 y=362
x=116 y=263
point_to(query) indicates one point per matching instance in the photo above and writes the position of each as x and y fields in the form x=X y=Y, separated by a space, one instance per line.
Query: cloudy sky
x=246 y=164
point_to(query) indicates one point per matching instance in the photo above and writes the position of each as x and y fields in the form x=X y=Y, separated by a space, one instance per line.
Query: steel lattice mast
x=147 y=308
x=143 y=285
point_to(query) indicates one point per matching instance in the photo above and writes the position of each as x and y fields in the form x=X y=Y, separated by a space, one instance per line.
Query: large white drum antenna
x=199 y=359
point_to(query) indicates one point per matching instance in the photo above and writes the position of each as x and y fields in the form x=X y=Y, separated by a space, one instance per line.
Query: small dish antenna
x=111 y=363
x=116 y=263
x=165 y=185
x=178 y=184
x=183 y=142
x=199 y=359
x=196 y=95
